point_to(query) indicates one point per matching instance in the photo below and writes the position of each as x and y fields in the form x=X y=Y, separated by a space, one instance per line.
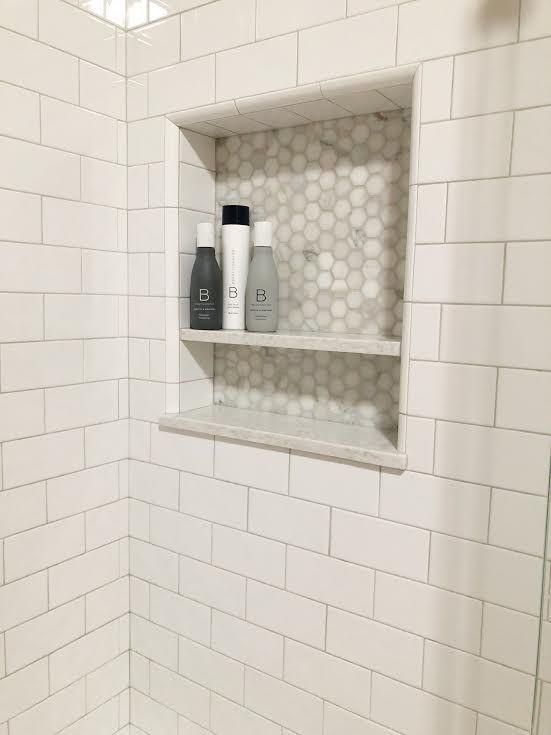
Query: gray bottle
x=262 y=296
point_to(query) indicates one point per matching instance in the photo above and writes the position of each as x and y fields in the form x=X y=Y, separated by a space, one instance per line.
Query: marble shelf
x=362 y=344
x=363 y=444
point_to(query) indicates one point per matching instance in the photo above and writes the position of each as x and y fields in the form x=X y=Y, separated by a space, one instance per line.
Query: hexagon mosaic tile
x=336 y=193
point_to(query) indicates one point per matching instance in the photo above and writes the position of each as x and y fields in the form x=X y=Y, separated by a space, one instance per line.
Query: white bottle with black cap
x=235 y=264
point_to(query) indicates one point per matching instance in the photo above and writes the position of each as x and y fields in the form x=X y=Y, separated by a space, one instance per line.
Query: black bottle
x=206 y=283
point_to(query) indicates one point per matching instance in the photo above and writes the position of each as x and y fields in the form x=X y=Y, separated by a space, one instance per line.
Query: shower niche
x=333 y=175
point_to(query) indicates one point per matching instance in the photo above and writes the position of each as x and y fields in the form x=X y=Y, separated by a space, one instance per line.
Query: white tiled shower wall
x=64 y=585
x=270 y=592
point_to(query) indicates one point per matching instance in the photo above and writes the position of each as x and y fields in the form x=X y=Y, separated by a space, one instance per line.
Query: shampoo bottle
x=206 y=283
x=263 y=284
x=235 y=264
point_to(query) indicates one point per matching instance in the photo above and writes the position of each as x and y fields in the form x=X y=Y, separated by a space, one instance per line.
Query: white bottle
x=235 y=264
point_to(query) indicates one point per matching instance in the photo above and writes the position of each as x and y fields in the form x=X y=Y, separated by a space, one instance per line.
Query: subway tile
x=380 y=544
x=43 y=547
x=259 y=67
x=452 y=392
x=506 y=76
x=489 y=726
x=252 y=556
x=146 y=317
x=436 y=94
x=213 y=587
x=266 y=468
x=535 y=19
x=43 y=635
x=507 y=459
x=23 y=600
x=147 y=400
x=105 y=683
x=107 y=603
x=470 y=148
x=431 y=213
x=436 y=504
x=153 y=484
x=58 y=711
x=289 y=520
x=77 y=130
x=187 y=452
x=103 y=183
x=106 y=359
x=20 y=16
x=39 y=268
x=328 y=677
x=334 y=482
x=22 y=508
x=510 y=638
x=414 y=712
x=22 y=690
x=153 y=564
x=138 y=183
x=146 y=230
x=21 y=113
x=154 y=642
x=39 y=67
x=337 y=721
x=39 y=170
x=504 y=336
x=41 y=364
x=180 y=533
x=21 y=317
x=248 y=643
x=460 y=29
x=531 y=145
x=146 y=141
x=81 y=405
x=21 y=415
x=289 y=16
x=286 y=613
x=76 y=577
x=188 y=221
x=330 y=581
x=78 y=33
x=83 y=656
x=104 y=273
x=197 y=188
x=465 y=273
x=80 y=225
x=53 y=454
x=499 y=209
x=228 y=718
x=108 y=524
x=211 y=669
x=527 y=273
x=429 y=612
x=81 y=316
x=183 y=86
x=481 y=685
x=214 y=500
x=487 y=573
x=106 y=442
x=425 y=331
x=136 y=97
x=283 y=703
x=517 y=521
x=102 y=91
x=375 y=646
x=219 y=26
x=154 y=46
x=420 y=443
x=523 y=400
x=150 y=714
x=180 y=695
x=21 y=218
x=177 y=613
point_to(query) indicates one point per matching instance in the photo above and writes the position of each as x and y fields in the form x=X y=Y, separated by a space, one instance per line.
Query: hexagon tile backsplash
x=336 y=193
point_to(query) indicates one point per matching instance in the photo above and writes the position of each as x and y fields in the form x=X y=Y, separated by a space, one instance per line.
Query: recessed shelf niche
x=334 y=180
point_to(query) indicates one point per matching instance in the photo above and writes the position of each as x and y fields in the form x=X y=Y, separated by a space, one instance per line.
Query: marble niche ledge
x=361 y=344
x=365 y=444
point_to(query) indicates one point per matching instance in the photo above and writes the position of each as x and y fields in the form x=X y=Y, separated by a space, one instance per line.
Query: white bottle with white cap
x=262 y=295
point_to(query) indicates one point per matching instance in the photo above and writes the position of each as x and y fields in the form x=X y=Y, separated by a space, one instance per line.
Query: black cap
x=235 y=214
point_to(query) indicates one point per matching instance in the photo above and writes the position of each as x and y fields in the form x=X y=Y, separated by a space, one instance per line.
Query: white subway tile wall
x=263 y=592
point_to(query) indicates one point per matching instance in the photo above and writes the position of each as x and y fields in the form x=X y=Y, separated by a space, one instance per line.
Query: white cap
x=205 y=235
x=263 y=234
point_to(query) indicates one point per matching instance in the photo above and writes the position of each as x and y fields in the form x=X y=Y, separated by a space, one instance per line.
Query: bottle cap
x=235 y=214
x=205 y=235
x=263 y=234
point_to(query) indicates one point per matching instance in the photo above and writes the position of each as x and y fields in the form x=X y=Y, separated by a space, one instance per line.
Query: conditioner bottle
x=235 y=264
x=206 y=283
x=263 y=284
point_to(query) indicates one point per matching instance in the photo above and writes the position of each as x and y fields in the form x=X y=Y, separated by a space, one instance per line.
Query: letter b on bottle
x=260 y=295
x=203 y=294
